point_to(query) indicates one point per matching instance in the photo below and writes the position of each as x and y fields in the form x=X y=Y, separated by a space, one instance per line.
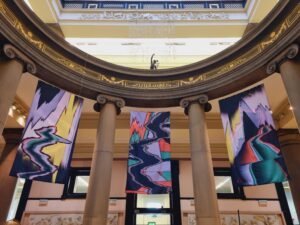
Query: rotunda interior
x=106 y=49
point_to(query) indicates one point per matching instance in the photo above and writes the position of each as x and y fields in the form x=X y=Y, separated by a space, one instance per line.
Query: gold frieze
x=138 y=84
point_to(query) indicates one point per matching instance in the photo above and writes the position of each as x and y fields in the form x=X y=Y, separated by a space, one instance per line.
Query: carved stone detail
x=66 y=218
x=149 y=16
x=238 y=66
x=200 y=99
x=247 y=218
x=289 y=53
x=13 y=53
x=103 y=99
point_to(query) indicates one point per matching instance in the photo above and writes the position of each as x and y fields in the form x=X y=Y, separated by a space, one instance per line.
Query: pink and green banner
x=252 y=143
x=149 y=165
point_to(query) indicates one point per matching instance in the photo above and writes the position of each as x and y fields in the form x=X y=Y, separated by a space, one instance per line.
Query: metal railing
x=154 y=4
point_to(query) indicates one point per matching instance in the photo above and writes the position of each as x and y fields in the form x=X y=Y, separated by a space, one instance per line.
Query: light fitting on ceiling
x=17 y=112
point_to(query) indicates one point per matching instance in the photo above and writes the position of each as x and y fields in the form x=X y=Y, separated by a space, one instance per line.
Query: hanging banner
x=45 y=151
x=252 y=143
x=149 y=165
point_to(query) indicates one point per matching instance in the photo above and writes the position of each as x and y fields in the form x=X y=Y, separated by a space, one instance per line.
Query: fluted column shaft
x=206 y=204
x=290 y=147
x=7 y=183
x=290 y=73
x=97 y=201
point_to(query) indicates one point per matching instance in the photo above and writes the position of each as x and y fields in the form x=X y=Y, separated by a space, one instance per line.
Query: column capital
x=12 y=52
x=103 y=99
x=199 y=99
x=289 y=53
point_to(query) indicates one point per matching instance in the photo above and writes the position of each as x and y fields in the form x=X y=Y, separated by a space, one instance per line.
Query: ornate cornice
x=289 y=53
x=69 y=68
x=13 y=53
x=157 y=16
x=103 y=99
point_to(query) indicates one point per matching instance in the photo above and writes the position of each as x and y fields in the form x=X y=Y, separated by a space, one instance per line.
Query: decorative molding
x=13 y=53
x=249 y=218
x=66 y=218
x=289 y=53
x=149 y=16
x=219 y=75
x=200 y=99
x=202 y=4
x=103 y=99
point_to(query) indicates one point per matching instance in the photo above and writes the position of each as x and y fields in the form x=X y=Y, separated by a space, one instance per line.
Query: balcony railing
x=154 y=4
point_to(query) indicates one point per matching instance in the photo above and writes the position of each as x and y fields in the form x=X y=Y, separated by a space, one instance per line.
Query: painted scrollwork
x=147 y=16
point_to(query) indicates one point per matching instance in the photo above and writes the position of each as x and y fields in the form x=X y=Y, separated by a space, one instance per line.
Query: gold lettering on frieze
x=29 y=36
x=64 y=61
x=94 y=74
x=192 y=80
x=232 y=65
x=152 y=85
x=19 y=26
x=275 y=35
x=112 y=80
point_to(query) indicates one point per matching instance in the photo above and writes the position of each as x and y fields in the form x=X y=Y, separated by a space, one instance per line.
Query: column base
x=208 y=221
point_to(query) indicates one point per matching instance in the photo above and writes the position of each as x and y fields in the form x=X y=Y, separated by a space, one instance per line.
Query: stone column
x=288 y=65
x=11 y=69
x=290 y=147
x=7 y=183
x=290 y=73
x=97 y=201
x=206 y=202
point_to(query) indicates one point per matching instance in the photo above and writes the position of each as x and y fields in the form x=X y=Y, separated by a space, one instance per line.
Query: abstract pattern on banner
x=45 y=151
x=149 y=165
x=252 y=143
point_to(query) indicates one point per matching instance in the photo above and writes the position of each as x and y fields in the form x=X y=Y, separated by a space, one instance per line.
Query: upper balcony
x=154 y=4
x=116 y=32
